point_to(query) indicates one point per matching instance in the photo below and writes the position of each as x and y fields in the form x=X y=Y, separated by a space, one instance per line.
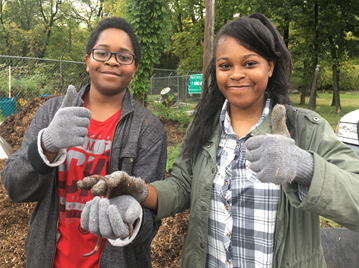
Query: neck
x=102 y=106
x=243 y=120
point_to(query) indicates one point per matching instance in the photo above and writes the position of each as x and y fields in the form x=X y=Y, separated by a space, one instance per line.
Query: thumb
x=278 y=119
x=69 y=97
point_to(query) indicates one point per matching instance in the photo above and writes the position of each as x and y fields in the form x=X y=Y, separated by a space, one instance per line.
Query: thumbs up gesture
x=69 y=126
x=275 y=157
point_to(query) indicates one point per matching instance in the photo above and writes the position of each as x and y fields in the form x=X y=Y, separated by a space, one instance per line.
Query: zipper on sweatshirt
x=58 y=217
x=113 y=134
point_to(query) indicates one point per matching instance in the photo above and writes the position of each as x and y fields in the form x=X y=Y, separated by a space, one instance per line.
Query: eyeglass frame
x=113 y=53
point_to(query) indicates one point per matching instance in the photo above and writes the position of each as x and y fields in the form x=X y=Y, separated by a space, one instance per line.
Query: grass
x=172 y=154
x=349 y=102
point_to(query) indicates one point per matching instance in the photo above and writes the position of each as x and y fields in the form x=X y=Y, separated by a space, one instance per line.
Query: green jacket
x=333 y=193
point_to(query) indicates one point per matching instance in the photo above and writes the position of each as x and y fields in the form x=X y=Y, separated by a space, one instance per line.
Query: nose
x=237 y=74
x=112 y=60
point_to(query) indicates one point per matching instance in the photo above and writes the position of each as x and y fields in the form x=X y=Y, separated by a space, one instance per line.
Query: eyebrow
x=107 y=46
x=245 y=56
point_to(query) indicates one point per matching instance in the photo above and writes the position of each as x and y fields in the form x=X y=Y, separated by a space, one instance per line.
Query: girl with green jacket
x=255 y=171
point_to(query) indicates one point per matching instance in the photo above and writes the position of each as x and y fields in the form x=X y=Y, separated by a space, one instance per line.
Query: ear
x=87 y=60
x=271 y=65
x=134 y=70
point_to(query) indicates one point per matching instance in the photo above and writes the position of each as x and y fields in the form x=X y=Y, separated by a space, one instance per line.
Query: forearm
x=151 y=200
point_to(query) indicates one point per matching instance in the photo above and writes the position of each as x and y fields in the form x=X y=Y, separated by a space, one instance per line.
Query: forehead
x=230 y=46
x=115 y=39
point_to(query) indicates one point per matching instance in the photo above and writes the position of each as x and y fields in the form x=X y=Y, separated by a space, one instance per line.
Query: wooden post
x=208 y=37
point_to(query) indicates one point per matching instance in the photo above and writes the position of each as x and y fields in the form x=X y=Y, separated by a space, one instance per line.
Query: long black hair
x=257 y=33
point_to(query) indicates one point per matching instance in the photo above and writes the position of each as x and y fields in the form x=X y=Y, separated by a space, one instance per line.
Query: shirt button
x=229 y=262
x=238 y=143
x=228 y=234
x=227 y=207
x=227 y=182
x=202 y=245
x=204 y=208
x=208 y=145
x=213 y=170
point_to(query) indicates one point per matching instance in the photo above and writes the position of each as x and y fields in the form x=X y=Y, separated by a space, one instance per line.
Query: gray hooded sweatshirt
x=139 y=147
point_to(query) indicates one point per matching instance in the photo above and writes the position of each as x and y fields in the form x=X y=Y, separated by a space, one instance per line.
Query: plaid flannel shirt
x=243 y=210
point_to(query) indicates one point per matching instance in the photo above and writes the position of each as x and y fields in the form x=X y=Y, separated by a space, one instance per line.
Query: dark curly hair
x=117 y=23
x=257 y=33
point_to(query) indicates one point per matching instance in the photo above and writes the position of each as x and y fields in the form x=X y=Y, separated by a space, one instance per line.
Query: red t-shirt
x=90 y=158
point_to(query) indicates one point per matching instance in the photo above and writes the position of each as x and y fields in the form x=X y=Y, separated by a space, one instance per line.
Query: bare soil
x=14 y=217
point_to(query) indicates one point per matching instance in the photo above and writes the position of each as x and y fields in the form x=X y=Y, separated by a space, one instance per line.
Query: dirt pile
x=14 y=218
x=14 y=127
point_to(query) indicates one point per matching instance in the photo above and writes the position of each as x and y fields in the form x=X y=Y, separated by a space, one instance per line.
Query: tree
x=188 y=31
x=150 y=20
x=337 y=20
x=18 y=23
x=49 y=10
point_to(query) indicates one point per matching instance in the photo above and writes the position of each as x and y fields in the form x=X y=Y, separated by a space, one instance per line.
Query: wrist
x=151 y=200
x=46 y=143
x=44 y=148
x=305 y=168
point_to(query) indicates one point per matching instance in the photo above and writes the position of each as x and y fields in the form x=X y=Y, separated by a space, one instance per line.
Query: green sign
x=195 y=84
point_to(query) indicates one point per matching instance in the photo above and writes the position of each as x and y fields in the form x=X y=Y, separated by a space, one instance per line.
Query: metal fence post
x=62 y=78
x=186 y=86
x=178 y=95
x=9 y=81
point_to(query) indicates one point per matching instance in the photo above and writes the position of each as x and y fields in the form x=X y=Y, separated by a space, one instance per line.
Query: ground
x=14 y=218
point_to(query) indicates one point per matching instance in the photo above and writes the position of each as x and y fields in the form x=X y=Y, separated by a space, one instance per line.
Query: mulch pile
x=14 y=218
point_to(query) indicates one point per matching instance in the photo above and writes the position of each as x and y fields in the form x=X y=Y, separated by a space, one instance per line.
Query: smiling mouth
x=238 y=86
x=110 y=73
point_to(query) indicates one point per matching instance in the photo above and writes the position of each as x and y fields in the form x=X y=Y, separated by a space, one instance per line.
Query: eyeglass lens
x=104 y=55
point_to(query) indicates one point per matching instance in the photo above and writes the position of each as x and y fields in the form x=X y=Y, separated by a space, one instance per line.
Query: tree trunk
x=316 y=51
x=336 y=97
x=306 y=84
x=286 y=34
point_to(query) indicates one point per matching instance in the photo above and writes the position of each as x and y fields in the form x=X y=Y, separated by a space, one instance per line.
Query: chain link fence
x=177 y=81
x=24 y=78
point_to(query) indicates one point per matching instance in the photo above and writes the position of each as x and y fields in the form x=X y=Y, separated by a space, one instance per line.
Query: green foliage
x=188 y=32
x=2 y=117
x=168 y=113
x=172 y=154
x=150 y=20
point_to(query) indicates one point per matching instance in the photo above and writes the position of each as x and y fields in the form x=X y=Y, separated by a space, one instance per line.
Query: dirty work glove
x=69 y=126
x=113 y=218
x=275 y=158
x=120 y=183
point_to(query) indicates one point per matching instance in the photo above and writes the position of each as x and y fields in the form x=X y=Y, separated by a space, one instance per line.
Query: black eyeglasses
x=104 y=55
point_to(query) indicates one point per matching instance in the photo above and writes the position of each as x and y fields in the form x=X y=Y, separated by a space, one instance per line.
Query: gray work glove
x=276 y=158
x=113 y=218
x=120 y=183
x=69 y=126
